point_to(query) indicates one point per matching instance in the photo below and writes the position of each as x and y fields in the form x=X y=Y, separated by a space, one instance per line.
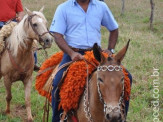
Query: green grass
x=144 y=53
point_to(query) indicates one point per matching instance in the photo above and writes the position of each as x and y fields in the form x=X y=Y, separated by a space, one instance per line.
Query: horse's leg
x=27 y=88
x=8 y=84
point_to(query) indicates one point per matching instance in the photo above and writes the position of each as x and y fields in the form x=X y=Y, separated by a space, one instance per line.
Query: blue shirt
x=82 y=29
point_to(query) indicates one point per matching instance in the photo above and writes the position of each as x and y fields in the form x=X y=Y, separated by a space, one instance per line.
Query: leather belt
x=78 y=49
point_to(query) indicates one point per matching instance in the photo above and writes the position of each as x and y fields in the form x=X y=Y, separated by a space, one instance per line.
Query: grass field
x=145 y=53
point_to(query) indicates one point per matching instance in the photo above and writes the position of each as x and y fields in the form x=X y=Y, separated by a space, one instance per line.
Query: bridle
x=34 y=29
x=107 y=109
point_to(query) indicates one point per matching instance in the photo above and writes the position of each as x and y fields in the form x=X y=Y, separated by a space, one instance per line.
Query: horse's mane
x=18 y=36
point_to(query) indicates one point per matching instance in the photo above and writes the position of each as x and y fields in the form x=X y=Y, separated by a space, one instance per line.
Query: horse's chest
x=17 y=76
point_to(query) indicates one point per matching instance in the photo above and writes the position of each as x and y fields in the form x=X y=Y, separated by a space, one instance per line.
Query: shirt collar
x=74 y=2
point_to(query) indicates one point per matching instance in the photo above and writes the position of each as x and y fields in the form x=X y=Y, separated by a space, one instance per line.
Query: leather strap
x=45 y=70
x=74 y=119
x=78 y=49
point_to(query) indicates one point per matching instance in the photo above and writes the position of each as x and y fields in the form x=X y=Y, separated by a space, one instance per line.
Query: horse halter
x=108 y=109
x=34 y=29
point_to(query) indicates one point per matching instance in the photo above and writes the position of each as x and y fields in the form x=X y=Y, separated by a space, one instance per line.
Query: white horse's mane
x=18 y=36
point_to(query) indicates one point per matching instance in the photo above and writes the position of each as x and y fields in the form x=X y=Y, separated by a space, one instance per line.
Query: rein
x=86 y=97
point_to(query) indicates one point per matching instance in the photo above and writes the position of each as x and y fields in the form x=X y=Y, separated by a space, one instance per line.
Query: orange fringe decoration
x=75 y=80
x=41 y=79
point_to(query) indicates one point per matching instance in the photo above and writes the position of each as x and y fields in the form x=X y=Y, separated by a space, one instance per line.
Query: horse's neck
x=18 y=42
x=27 y=50
x=22 y=49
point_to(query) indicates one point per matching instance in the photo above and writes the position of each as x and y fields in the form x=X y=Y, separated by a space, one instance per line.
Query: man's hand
x=75 y=56
x=20 y=16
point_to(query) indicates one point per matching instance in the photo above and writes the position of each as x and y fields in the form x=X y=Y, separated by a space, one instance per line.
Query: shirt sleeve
x=108 y=19
x=59 y=21
x=19 y=6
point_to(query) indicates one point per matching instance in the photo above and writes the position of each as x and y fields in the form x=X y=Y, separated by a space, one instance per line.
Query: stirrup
x=63 y=115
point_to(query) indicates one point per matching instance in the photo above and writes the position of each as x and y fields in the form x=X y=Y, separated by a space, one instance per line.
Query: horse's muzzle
x=114 y=117
x=47 y=42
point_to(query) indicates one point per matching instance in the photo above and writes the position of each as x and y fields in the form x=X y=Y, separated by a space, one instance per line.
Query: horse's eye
x=35 y=25
x=100 y=79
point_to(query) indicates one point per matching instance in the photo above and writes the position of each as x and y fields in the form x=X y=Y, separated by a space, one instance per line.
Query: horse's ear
x=42 y=9
x=120 y=55
x=28 y=11
x=98 y=54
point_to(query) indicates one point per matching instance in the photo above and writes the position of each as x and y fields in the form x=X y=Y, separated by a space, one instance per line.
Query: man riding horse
x=77 y=26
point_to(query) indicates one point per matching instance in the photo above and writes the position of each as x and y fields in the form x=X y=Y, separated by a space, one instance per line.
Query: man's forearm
x=113 y=39
x=62 y=44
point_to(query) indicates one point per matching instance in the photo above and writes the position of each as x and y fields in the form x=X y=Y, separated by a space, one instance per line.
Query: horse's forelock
x=40 y=14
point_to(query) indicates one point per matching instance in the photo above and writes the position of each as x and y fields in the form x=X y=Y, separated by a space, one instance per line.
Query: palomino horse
x=106 y=91
x=17 y=59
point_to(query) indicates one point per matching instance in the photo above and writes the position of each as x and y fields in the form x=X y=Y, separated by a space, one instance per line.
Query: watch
x=112 y=51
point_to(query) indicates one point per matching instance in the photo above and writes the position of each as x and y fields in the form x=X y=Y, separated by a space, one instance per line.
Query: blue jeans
x=55 y=92
x=1 y=24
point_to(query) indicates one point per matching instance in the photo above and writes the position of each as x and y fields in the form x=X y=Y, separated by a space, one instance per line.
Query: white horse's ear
x=28 y=11
x=42 y=9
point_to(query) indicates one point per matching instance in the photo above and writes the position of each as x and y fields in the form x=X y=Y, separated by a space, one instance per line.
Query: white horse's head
x=37 y=27
x=32 y=27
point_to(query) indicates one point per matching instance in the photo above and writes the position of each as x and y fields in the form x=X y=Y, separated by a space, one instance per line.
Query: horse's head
x=110 y=83
x=37 y=27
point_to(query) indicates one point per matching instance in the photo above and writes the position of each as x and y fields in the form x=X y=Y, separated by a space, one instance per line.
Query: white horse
x=16 y=61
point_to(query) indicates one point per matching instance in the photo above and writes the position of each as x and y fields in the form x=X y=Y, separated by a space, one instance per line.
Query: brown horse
x=17 y=59
x=106 y=91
